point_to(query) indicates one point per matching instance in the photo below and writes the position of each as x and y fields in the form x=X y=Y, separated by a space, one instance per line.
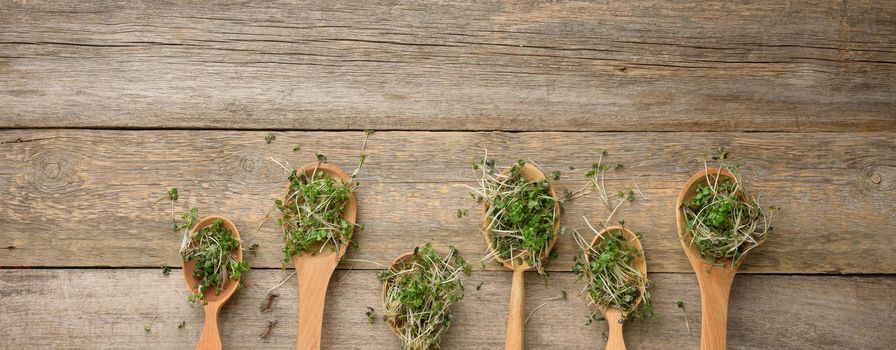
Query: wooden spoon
x=400 y=259
x=615 y=341
x=313 y=271
x=210 y=339
x=516 y=319
x=715 y=281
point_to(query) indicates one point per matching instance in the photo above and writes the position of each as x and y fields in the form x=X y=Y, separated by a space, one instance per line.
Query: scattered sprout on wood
x=367 y=133
x=545 y=303
x=419 y=292
x=519 y=215
x=213 y=248
x=182 y=324
x=172 y=194
x=555 y=175
x=479 y=286
x=148 y=327
x=724 y=221
x=611 y=276
x=269 y=138
x=253 y=248
x=166 y=270
x=371 y=315
x=686 y=323
x=297 y=148
x=461 y=213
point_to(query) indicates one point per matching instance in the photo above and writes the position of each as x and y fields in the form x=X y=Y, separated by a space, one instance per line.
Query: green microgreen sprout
x=479 y=286
x=686 y=323
x=419 y=292
x=724 y=221
x=544 y=303
x=367 y=133
x=148 y=327
x=166 y=270
x=520 y=214
x=461 y=213
x=297 y=148
x=555 y=175
x=371 y=315
x=213 y=249
x=270 y=137
x=611 y=276
x=182 y=324
x=253 y=248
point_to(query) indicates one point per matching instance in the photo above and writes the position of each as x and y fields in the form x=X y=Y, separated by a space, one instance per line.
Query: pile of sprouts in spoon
x=213 y=248
x=612 y=278
x=519 y=214
x=418 y=293
x=312 y=212
x=724 y=221
x=312 y=209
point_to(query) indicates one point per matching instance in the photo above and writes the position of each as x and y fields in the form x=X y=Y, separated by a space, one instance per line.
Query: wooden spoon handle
x=516 y=320
x=715 y=286
x=313 y=276
x=210 y=339
x=615 y=340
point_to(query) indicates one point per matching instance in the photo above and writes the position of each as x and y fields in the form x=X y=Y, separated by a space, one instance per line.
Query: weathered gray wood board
x=468 y=65
x=85 y=198
x=107 y=309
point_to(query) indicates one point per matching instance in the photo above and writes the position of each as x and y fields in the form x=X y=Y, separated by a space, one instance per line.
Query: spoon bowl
x=403 y=258
x=516 y=318
x=531 y=173
x=313 y=271
x=615 y=340
x=715 y=281
x=210 y=338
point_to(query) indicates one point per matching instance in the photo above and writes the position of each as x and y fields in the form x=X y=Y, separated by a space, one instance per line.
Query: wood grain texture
x=463 y=65
x=99 y=309
x=84 y=198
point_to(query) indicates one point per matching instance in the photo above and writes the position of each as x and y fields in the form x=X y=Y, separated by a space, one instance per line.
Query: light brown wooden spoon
x=210 y=338
x=313 y=271
x=516 y=319
x=400 y=259
x=615 y=341
x=715 y=281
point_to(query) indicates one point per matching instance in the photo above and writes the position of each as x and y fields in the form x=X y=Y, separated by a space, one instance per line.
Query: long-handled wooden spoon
x=715 y=281
x=313 y=271
x=210 y=339
x=614 y=316
x=516 y=319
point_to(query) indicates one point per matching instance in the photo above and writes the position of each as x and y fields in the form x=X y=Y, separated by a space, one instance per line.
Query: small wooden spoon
x=210 y=339
x=615 y=341
x=516 y=319
x=400 y=259
x=715 y=281
x=313 y=271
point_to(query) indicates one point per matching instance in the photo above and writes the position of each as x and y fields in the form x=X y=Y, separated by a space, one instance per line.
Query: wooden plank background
x=104 y=106
x=434 y=65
